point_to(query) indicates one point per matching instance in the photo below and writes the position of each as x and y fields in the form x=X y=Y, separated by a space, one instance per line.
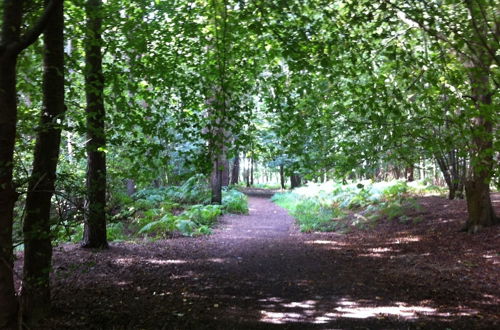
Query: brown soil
x=259 y=272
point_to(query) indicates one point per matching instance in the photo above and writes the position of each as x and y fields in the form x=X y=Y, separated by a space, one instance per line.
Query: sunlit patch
x=271 y=299
x=495 y=259
x=280 y=317
x=378 y=252
x=351 y=309
x=405 y=239
x=165 y=262
x=325 y=242
x=301 y=304
x=124 y=261
x=216 y=260
x=310 y=311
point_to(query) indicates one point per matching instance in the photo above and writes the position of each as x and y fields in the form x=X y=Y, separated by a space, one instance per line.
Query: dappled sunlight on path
x=258 y=271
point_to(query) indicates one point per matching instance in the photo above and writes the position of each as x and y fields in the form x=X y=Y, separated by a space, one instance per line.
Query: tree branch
x=32 y=34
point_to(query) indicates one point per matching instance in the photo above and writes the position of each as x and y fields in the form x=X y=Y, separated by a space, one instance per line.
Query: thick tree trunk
x=95 y=220
x=8 y=195
x=295 y=181
x=477 y=187
x=282 y=176
x=35 y=294
x=236 y=170
x=12 y=45
x=12 y=15
x=225 y=171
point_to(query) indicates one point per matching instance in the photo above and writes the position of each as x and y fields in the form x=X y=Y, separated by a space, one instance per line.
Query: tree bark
x=130 y=186
x=216 y=182
x=12 y=44
x=225 y=170
x=35 y=294
x=295 y=181
x=282 y=176
x=409 y=173
x=477 y=187
x=95 y=219
x=251 y=170
x=8 y=194
x=236 y=170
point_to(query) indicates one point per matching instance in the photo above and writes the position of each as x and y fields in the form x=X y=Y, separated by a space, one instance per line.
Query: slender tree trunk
x=236 y=170
x=35 y=294
x=246 y=176
x=216 y=182
x=282 y=176
x=251 y=170
x=95 y=222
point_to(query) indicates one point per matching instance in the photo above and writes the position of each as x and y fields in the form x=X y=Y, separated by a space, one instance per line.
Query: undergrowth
x=160 y=213
x=336 y=207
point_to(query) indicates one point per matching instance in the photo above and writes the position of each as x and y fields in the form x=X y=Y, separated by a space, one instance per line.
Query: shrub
x=234 y=201
x=203 y=214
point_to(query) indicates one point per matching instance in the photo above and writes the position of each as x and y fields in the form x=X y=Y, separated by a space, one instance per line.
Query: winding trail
x=255 y=271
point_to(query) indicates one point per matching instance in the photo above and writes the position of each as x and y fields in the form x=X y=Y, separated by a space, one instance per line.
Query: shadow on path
x=258 y=272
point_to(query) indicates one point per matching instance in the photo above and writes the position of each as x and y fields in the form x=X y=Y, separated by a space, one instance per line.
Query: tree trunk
x=282 y=176
x=8 y=194
x=477 y=187
x=251 y=171
x=246 y=177
x=236 y=170
x=11 y=46
x=35 y=294
x=130 y=186
x=225 y=170
x=216 y=182
x=295 y=181
x=409 y=173
x=95 y=222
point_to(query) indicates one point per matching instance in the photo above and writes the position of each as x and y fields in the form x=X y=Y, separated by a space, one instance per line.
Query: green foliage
x=332 y=206
x=396 y=192
x=166 y=224
x=195 y=220
x=203 y=214
x=234 y=201
x=313 y=216
x=115 y=232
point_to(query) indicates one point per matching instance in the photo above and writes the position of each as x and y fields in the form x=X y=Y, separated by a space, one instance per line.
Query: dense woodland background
x=100 y=100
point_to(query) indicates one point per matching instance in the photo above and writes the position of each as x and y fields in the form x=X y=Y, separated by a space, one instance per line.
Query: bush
x=203 y=214
x=330 y=206
x=234 y=201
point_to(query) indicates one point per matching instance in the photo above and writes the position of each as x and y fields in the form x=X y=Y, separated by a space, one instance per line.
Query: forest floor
x=258 y=271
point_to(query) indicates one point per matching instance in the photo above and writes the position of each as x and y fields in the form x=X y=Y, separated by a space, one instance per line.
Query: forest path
x=258 y=271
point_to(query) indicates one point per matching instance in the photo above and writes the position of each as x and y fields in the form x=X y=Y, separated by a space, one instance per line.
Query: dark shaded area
x=259 y=272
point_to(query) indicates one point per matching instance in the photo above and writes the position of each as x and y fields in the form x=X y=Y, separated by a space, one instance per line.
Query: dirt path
x=258 y=272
